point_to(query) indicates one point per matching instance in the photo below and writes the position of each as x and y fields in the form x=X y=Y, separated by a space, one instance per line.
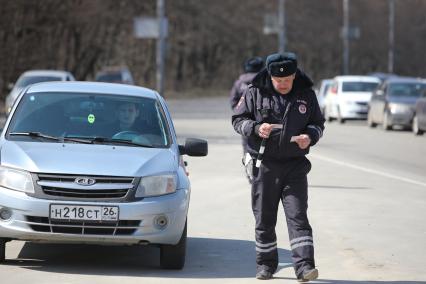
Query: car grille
x=112 y=228
x=103 y=188
x=77 y=193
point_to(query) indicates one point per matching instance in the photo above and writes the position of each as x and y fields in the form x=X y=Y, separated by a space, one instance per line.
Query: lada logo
x=85 y=181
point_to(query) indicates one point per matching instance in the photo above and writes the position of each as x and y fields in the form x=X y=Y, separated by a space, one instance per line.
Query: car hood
x=356 y=96
x=403 y=100
x=87 y=159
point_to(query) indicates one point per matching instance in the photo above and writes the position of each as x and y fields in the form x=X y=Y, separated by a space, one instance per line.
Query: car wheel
x=2 y=250
x=370 y=121
x=386 y=125
x=415 y=126
x=173 y=256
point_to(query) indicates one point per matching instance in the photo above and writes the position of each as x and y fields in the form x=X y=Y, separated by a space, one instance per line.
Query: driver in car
x=126 y=122
x=131 y=125
x=127 y=113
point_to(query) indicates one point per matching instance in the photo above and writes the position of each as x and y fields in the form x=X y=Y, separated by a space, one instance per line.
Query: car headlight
x=156 y=185
x=16 y=180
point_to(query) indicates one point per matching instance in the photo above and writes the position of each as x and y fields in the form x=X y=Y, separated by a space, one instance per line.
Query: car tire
x=385 y=124
x=2 y=250
x=415 y=126
x=173 y=256
x=370 y=121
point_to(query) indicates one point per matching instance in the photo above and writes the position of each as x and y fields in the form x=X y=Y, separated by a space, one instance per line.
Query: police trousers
x=285 y=181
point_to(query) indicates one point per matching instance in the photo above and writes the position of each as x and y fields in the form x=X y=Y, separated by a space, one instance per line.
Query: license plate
x=78 y=212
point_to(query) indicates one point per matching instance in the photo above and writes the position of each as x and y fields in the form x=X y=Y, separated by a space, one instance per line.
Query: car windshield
x=406 y=89
x=95 y=118
x=28 y=80
x=359 y=86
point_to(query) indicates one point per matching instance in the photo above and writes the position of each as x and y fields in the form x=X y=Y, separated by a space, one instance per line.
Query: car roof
x=405 y=80
x=45 y=73
x=92 y=87
x=326 y=81
x=352 y=78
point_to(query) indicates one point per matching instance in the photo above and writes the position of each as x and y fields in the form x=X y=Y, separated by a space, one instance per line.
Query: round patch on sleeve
x=302 y=109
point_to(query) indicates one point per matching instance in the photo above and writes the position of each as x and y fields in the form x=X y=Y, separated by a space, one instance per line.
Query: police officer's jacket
x=239 y=87
x=298 y=112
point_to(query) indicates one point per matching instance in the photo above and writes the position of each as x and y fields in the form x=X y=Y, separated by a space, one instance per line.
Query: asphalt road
x=367 y=209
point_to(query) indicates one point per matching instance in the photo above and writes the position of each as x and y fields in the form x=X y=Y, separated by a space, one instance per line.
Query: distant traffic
x=388 y=100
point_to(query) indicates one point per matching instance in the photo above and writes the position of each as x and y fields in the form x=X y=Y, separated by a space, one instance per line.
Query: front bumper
x=30 y=221
x=354 y=110
x=401 y=118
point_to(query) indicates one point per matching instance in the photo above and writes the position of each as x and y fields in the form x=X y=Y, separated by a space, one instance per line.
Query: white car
x=348 y=97
x=95 y=163
x=322 y=92
x=34 y=76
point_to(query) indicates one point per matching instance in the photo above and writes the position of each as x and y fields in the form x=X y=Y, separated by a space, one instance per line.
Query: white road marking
x=368 y=170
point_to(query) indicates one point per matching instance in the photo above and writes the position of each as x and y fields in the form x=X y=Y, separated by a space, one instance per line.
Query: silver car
x=393 y=103
x=95 y=163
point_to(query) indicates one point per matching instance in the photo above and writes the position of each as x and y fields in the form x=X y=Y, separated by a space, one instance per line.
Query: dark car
x=419 y=119
x=392 y=104
x=115 y=75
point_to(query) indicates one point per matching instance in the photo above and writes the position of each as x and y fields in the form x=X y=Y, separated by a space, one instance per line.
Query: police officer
x=251 y=67
x=280 y=108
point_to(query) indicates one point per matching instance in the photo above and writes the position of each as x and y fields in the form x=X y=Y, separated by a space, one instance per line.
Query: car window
x=406 y=89
x=28 y=80
x=110 y=77
x=359 y=86
x=81 y=115
x=326 y=87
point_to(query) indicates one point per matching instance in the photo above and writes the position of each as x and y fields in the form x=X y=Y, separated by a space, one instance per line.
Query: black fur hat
x=254 y=64
x=281 y=64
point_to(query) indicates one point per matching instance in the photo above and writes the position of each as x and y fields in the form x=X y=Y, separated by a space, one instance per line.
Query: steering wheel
x=127 y=134
x=131 y=135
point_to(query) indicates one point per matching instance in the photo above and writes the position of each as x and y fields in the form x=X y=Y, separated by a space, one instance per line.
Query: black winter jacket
x=303 y=116
x=240 y=85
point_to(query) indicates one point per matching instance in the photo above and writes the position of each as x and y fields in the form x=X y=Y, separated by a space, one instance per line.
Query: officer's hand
x=265 y=129
x=303 y=141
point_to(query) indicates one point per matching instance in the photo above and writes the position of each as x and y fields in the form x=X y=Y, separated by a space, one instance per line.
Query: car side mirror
x=10 y=86
x=194 y=147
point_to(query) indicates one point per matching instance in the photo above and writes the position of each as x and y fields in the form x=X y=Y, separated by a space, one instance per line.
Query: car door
x=376 y=104
x=381 y=102
x=421 y=111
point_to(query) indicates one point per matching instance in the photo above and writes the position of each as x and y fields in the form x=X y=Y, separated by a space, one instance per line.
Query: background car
x=31 y=77
x=348 y=97
x=115 y=75
x=382 y=76
x=69 y=174
x=392 y=104
x=322 y=92
x=419 y=119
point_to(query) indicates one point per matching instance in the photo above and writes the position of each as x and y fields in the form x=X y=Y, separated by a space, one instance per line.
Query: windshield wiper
x=97 y=139
x=35 y=135
x=54 y=138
